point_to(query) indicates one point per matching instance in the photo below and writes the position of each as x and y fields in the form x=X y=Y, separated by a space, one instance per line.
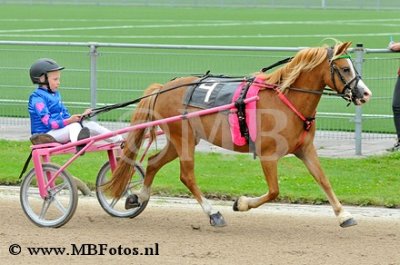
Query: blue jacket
x=46 y=111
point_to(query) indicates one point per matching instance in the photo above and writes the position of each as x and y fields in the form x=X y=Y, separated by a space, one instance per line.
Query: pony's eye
x=346 y=69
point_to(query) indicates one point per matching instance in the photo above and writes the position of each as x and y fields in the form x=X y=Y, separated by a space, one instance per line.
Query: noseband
x=350 y=92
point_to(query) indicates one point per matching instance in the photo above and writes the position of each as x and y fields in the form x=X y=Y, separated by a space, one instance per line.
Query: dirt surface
x=178 y=231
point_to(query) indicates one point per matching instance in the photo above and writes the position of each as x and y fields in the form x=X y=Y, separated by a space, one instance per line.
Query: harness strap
x=301 y=140
x=285 y=100
x=307 y=122
x=286 y=60
x=191 y=91
x=241 y=111
x=25 y=165
x=241 y=114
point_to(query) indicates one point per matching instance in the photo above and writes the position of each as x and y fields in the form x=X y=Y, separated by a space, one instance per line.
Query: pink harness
x=237 y=137
x=259 y=83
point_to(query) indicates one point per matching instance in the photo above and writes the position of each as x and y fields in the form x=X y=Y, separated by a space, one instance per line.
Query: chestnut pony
x=280 y=128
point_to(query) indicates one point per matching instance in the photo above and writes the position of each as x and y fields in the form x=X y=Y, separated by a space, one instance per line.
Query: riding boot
x=42 y=138
x=83 y=134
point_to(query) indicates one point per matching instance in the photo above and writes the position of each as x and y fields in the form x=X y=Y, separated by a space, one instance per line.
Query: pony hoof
x=132 y=202
x=241 y=204
x=217 y=220
x=235 y=206
x=348 y=223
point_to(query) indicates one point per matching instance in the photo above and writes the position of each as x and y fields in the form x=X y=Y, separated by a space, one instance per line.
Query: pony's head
x=343 y=76
x=335 y=66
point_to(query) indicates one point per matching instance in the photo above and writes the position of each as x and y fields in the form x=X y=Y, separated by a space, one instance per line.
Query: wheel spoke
x=127 y=192
x=60 y=206
x=59 y=188
x=113 y=202
x=136 y=183
x=45 y=208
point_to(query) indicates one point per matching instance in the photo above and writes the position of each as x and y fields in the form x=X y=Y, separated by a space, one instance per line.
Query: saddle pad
x=218 y=91
x=211 y=92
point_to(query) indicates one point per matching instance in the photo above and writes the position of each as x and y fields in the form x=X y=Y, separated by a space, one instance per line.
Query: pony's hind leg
x=155 y=162
x=185 y=148
x=188 y=178
x=310 y=159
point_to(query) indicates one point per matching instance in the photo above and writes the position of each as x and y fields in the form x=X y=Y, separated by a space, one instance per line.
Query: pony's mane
x=305 y=60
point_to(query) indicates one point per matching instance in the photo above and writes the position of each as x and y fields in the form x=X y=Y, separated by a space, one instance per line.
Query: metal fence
x=320 y=4
x=98 y=74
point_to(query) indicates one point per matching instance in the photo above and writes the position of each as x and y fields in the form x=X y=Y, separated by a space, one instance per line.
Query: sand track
x=275 y=234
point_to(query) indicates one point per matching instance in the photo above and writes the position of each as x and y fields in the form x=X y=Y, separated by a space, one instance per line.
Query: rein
x=326 y=92
x=99 y=110
x=286 y=60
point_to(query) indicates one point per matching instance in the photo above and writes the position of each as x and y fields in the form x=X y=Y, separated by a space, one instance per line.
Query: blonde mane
x=304 y=61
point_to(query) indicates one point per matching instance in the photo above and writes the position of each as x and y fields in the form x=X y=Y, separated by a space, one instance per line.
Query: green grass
x=145 y=22
x=357 y=181
x=124 y=73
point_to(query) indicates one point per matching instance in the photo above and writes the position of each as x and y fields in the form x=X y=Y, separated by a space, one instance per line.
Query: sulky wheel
x=116 y=207
x=57 y=208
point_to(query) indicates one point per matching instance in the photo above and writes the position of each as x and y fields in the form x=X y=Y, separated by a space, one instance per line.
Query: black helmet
x=42 y=67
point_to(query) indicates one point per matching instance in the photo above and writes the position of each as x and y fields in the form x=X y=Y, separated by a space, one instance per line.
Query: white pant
x=71 y=131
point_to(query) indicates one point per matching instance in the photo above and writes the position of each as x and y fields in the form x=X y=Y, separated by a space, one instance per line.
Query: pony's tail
x=125 y=168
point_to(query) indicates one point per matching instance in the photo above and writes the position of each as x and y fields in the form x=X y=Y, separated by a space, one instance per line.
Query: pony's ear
x=342 y=48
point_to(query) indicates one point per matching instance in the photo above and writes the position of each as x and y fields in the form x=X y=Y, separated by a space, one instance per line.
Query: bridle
x=350 y=92
x=350 y=88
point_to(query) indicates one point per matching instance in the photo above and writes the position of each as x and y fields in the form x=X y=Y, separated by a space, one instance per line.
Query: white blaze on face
x=367 y=93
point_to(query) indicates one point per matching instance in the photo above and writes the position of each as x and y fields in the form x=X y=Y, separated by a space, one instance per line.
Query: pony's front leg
x=310 y=158
x=271 y=175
